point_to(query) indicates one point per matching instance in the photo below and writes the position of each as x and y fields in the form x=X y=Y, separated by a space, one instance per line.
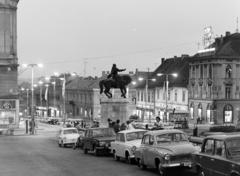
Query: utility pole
x=85 y=67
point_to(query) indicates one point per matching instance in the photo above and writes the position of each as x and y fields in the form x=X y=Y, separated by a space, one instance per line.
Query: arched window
x=228 y=71
x=200 y=111
x=191 y=111
x=228 y=114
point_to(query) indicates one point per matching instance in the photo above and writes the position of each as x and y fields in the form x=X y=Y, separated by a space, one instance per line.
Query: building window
x=164 y=95
x=228 y=92
x=85 y=98
x=237 y=88
x=153 y=97
x=191 y=111
x=141 y=96
x=138 y=97
x=148 y=97
x=77 y=111
x=210 y=71
x=183 y=95
x=176 y=95
x=228 y=113
x=169 y=94
x=201 y=71
x=90 y=98
x=193 y=72
x=158 y=94
x=228 y=71
x=81 y=96
x=200 y=111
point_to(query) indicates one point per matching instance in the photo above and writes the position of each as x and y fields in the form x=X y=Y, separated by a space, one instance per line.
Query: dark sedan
x=98 y=140
x=219 y=155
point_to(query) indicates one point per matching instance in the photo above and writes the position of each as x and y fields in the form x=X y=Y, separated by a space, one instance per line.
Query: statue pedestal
x=114 y=108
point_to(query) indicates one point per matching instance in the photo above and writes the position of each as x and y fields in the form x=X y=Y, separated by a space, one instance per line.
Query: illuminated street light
x=33 y=119
x=166 y=93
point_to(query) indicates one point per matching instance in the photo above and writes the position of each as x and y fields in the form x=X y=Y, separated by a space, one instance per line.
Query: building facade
x=153 y=100
x=214 y=81
x=9 y=102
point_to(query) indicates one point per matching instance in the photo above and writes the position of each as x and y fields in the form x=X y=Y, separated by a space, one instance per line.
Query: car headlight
x=167 y=157
x=101 y=143
x=133 y=148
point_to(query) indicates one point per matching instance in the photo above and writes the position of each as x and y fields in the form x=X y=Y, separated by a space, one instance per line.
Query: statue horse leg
x=107 y=93
x=123 y=90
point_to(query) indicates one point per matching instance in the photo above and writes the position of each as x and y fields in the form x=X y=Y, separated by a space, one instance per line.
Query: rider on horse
x=114 y=73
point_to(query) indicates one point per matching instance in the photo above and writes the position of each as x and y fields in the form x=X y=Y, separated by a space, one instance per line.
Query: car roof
x=130 y=131
x=159 y=132
x=68 y=128
x=224 y=136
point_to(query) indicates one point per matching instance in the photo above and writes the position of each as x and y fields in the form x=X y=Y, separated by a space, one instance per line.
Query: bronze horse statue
x=124 y=80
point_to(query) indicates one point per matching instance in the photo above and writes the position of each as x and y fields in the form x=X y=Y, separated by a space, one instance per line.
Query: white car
x=67 y=136
x=126 y=143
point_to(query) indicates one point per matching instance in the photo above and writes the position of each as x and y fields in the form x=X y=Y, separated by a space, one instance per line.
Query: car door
x=144 y=149
x=219 y=162
x=205 y=157
x=115 y=145
x=86 y=139
x=121 y=143
x=150 y=152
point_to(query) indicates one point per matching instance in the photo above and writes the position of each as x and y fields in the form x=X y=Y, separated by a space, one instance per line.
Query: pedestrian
x=110 y=123
x=158 y=124
x=116 y=126
x=123 y=127
x=129 y=125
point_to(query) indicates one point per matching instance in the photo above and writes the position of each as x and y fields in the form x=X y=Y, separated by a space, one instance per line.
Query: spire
x=237 y=26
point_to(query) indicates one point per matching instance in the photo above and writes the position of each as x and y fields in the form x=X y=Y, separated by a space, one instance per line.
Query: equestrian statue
x=115 y=81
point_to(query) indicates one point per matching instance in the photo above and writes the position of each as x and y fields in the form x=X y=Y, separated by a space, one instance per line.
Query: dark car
x=219 y=155
x=98 y=140
x=78 y=143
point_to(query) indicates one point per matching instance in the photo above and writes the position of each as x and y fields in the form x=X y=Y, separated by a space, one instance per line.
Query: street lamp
x=32 y=65
x=146 y=90
x=166 y=92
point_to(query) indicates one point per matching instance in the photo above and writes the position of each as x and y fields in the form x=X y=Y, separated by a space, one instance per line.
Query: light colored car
x=165 y=149
x=67 y=136
x=126 y=143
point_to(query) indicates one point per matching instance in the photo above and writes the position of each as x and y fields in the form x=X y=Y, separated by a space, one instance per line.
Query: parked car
x=98 y=140
x=67 y=136
x=165 y=149
x=219 y=155
x=126 y=143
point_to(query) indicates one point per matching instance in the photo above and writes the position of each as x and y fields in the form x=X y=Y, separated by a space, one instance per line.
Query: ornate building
x=9 y=103
x=214 y=81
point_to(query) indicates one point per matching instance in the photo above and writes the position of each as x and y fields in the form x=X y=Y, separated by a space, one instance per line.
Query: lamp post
x=166 y=92
x=40 y=82
x=54 y=91
x=146 y=91
x=46 y=99
x=33 y=120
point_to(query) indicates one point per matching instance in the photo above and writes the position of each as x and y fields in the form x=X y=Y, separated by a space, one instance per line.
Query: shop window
x=228 y=113
x=228 y=71
x=191 y=111
x=200 y=111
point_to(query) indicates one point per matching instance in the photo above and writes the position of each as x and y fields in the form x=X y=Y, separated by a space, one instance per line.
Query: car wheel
x=64 y=145
x=115 y=156
x=85 y=151
x=141 y=165
x=96 y=152
x=200 y=172
x=128 y=159
x=59 y=144
x=160 y=169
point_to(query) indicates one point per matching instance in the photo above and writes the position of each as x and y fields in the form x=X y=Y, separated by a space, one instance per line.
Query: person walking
x=116 y=126
x=123 y=127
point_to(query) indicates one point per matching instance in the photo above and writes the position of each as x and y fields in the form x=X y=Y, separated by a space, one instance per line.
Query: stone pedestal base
x=115 y=108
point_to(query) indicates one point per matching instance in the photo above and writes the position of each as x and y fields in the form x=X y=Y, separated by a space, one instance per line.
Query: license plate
x=187 y=164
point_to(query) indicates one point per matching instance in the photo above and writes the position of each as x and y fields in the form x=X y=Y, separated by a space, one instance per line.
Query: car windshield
x=135 y=135
x=70 y=131
x=233 y=147
x=103 y=132
x=171 y=137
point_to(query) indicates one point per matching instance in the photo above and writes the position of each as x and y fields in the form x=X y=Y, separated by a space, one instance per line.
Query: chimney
x=228 y=33
x=163 y=59
x=131 y=73
x=103 y=73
